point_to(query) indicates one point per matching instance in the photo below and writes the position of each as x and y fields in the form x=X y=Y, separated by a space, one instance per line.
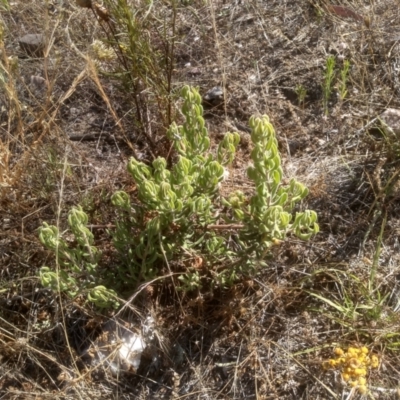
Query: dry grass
x=66 y=140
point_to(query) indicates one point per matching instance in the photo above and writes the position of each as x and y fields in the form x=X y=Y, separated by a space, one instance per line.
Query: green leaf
x=121 y=199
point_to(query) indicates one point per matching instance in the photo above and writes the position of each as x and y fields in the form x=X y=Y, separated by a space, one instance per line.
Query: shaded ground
x=267 y=337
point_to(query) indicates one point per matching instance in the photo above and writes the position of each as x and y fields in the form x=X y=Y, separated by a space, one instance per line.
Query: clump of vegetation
x=180 y=214
x=301 y=92
x=329 y=76
x=76 y=267
x=142 y=48
x=344 y=75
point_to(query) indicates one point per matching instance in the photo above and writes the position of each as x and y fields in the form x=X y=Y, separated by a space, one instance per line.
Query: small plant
x=327 y=85
x=319 y=14
x=344 y=73
x=301 y=92
x=353 y=365
x=357 y=299
x=77 y=273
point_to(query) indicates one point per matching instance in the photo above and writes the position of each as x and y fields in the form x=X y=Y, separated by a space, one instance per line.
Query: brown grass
x=68 y=142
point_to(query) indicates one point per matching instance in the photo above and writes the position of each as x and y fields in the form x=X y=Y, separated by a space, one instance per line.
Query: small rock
x=74 y=111
x=33 y=44
x=38 y=84
x=6 y=223
x=391 y=119
x=194 y=71
x=214 y=96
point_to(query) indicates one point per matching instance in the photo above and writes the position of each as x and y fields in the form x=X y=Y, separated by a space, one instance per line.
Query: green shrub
x=179 y=215
x=180 y=211
x=77 y=267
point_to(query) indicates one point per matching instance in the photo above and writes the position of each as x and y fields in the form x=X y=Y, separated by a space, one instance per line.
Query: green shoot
x=327 y=85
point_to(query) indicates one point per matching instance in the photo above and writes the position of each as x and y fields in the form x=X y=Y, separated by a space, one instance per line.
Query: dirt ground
x=66 y=139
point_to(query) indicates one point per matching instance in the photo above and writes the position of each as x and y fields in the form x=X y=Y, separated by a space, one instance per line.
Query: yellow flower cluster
x=353 y=366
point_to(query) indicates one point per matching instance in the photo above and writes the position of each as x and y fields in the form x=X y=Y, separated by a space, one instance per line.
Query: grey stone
x=33 y=44
x=214 y=96
x=391 y=119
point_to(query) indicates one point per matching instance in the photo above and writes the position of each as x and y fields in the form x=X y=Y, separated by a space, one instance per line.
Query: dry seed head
x=102 y=52
x=13 y=63
x=197 y=263
x=249 y=283
x=149 y=290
